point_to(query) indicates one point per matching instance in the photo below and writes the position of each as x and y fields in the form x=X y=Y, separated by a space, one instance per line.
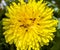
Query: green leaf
x=58 y=33
x=2 y=12
x=58 y=23
x=0 y=29
x=56 y=45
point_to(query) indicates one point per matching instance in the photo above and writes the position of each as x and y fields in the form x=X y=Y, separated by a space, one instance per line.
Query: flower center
x=27 y=22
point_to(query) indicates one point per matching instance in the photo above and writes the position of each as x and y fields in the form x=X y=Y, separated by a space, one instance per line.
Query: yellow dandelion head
x=29 y=25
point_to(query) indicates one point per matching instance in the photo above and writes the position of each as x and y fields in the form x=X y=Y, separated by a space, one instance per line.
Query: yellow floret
x=29 y=25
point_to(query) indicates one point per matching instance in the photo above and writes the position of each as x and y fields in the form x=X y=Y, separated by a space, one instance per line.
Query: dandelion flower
x=29 y=25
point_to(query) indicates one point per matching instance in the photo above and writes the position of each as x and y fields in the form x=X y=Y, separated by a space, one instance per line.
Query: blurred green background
x=54 y=45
